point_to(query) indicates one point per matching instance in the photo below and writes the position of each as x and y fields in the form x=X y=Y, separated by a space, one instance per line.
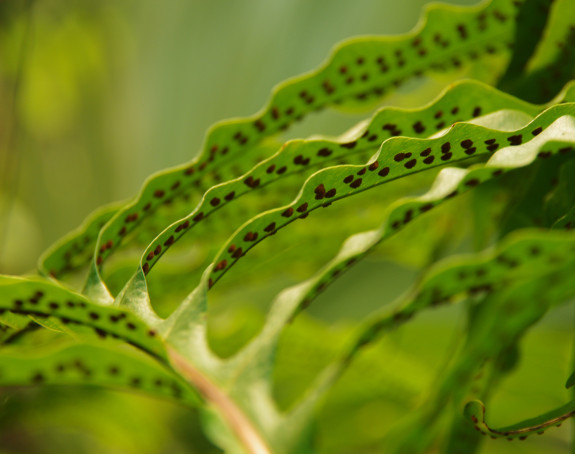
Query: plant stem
x=236 y=419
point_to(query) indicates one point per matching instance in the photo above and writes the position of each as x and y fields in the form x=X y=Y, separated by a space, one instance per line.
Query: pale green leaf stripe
x=464 y=100
x=399 y=157
x=86 y=364
x=360 y=67
x=40 y=298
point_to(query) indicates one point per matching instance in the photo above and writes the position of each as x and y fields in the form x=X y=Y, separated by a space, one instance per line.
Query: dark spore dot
x=343 y=69
x=215 y=202
x=472 y=183
x=249 y=181
x=429 y=159
x=544 y=154
x=175 y=186
x=302 y=207
x=130 y=326
x=287 y=213
x=426 y=207
x=184 y=225
x=373 y=166
x=361 y=171
x=330 y=193
x=515 y=140
x=438 y=114
x=122 y=231
x=221 y=265
x=349 y=80
x=425 y=152
x=189 y=171
x=446 y=156
x=476 y=111
x=467 y=143
x=18 y=303
x=319 y=190
x=451 y=195
x=70 y=304
x=395 y=225
x=454 y=110
x=238 y=253
x=271 y=168
x=303 y=216
x=232 y=248
x=275 y=113
x=493 y=147
x=147 y=206
x=54 y=305
x=565 y=150
x=260 y=125
x=38 y=378
x=113 y=370
x=250 y=236
x=270 y=227
x=324 y=152
x=158 y=250
x=418 y=127
x=281 y=170
x=399 y=157
x=356 y=184
x=440 y=125
x=94 y=316
x=159 y=193
x=199 y=216
x=372 y=138
x=298 y=159
x=146 y=268
x=535 y=251
x=383 y=172
x=462 y=31
x=490 y=141
x=470 y=151
x=410 y=164
x=446 y=147
x=498 y=172
x=136 y=382
x=348 y=179
x=348 y=145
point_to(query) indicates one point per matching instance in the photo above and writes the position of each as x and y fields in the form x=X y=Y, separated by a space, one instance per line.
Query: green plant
x=489 y=150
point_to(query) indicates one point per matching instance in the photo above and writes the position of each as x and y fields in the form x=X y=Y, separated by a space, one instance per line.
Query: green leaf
x=87 y=364
x=41 y=298
x=358 y=70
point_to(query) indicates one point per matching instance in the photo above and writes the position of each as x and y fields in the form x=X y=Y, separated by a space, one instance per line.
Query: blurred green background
x=96 y=95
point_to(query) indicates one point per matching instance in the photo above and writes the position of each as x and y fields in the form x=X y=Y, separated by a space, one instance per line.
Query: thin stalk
x=243 y=428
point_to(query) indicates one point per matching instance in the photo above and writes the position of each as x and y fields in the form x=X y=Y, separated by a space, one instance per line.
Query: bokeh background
x=96 y=95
